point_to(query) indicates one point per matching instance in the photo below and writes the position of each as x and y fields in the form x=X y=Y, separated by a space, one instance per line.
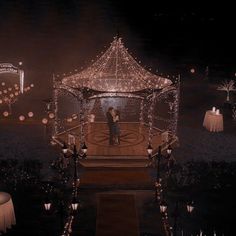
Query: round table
x=7 y=214
x=213 y=122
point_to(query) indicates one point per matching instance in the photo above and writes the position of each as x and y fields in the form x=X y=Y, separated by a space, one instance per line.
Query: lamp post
x=157 y=159
x=75 y=155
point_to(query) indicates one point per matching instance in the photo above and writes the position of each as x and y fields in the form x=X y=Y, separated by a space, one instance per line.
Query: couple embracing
x=113 y=117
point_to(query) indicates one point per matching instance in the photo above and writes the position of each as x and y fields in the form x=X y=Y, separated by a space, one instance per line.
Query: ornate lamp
x=169 y=150
x=163 y=207
x=190 y=207
x=64 y=148
x=149 y=150
x=74 y=204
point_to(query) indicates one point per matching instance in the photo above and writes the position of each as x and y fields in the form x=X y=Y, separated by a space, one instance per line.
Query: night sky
x=60 y=36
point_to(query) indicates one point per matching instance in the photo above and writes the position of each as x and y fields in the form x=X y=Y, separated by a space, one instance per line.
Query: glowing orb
x=16 y=93
x=5 y=113
x=3 y=83
x=51 y=115
x=32 y=85
x=192 y=70
x=21 y=118
x=30 y=114
x=20 y=63
x=44 y=121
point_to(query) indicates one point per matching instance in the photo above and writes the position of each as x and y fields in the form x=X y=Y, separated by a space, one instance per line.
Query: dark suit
x=110 y=123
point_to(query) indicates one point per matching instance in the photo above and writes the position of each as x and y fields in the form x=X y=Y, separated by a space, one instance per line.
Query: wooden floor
x=134 y=140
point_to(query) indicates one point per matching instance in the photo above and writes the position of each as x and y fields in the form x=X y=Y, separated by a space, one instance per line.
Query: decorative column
x=150 y=117
x=176 y=106
x=81 y=117
x=141 y=112
x=55 y=106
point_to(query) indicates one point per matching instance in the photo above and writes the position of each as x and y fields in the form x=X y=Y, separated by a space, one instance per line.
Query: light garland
x=116 y=70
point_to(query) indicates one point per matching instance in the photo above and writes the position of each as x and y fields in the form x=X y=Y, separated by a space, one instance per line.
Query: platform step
x=115 y=163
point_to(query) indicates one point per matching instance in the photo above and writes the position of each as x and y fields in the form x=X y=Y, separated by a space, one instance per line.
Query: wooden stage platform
x=133 y=144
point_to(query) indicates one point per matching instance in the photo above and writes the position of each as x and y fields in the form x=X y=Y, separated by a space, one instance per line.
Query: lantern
x=190 y=207
x=21 y=118
x=84 y=148
x=149 y=149
x=51 y=115
x=64 y=148
x=44 y=121
x=169 y=150
x=5 y=113
x=163 y=207
x=74 y=204
x=30 y=114
x=192 y=70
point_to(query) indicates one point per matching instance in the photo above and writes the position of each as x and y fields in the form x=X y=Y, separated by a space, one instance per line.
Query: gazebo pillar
x=55 y=106
x=150 y=117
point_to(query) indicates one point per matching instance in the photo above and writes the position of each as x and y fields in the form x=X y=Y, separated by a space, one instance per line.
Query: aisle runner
x=116 y=215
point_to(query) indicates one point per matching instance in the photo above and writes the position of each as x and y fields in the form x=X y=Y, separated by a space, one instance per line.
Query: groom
x=110 y=123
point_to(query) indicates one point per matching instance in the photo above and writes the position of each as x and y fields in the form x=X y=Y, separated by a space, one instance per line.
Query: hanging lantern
x=169 y=150
x=21 y=118
x=192 y=70
x=51 y=115
x=149 y=149
x=30 y=114
x=64 y=148
x=6 y=113
x=47 y=204
x=44 y=121
x=84 y=148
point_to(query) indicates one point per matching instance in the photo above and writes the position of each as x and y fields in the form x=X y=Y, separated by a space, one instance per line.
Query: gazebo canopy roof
x=116 y=71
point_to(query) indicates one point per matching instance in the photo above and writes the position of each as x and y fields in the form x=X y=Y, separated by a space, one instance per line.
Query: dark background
x=52 y=36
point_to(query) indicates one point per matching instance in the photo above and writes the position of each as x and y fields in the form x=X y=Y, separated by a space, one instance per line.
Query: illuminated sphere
x=30 y=114
x=32 y=85
x=20 y=63
x=51 y=115
x=44 y=121
x=69 y=119
x=1 y=101
x=192 y=70
x=16 y=93
x=9 y=89
x=5 y=113
x=4 y=91
x=21 y=118
x=3 y=84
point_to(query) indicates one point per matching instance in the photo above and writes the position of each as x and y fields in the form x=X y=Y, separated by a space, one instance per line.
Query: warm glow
x=3 y=84
x=44 y=121
x=51 y=115
x=116 y=70
x=21 y=118
x=30 y=114
x=32 y=85
x=192 y=70
x=69 y=120
x=5 y=113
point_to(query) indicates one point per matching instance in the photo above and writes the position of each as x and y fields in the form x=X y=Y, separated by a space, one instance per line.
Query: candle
x=217 y=112
x=213 y=109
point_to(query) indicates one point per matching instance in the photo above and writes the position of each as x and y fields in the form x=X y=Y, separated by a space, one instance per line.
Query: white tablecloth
x=213 y=122
x=7 y=214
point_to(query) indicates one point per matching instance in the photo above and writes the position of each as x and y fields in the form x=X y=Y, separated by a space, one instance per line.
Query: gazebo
x=116 y=79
